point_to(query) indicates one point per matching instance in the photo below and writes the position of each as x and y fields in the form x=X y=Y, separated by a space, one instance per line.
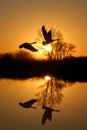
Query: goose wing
x=47 y=115
x=45 y=34
x=49 y=35
x=28 y=103
x=32 y=101
x=28 y=46
x=44 y=118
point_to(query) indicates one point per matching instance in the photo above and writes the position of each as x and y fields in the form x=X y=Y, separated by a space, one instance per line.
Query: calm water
x=69 y=99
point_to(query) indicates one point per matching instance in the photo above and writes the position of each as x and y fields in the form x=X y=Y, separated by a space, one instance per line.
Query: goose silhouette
x=48 y=114
x=28 y=104
x=47 y=36
x=28 y=46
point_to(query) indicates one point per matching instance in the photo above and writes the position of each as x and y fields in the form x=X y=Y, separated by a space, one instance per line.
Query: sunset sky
x=20 y=21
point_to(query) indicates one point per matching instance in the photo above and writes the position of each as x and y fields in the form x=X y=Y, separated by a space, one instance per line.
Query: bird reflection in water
x=28 y=104
x=49 y=94
x=48 y=114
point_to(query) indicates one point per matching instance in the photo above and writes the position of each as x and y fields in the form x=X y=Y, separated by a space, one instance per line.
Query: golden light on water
x=47 y=77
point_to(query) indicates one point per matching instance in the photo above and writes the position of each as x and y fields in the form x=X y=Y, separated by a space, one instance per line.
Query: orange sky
x=20 y=21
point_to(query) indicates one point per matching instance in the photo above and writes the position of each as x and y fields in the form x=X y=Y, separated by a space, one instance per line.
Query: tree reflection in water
x=49 y=94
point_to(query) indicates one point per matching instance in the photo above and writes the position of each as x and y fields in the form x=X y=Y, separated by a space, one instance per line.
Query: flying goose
x=28 y=46
x=47 y=36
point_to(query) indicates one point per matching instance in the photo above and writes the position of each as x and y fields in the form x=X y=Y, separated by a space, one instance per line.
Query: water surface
x=68 y=98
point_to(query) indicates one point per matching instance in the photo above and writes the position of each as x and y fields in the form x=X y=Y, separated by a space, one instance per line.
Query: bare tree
x=49 y=94
x=60 y=49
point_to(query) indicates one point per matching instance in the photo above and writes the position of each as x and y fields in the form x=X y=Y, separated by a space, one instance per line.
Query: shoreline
x=72 y=69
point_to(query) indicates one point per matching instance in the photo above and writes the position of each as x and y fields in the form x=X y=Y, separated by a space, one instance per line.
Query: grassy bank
x=67 y=69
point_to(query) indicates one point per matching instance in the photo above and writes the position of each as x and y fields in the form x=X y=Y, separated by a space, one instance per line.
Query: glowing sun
x=48 y=48
x=47 y=78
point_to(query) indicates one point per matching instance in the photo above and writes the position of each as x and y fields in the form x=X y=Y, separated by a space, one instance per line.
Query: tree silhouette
x=60 y=48
x=23 y=55
x=49 y=94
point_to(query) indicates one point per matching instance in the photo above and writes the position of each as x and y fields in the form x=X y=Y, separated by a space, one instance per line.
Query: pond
x=45 y=103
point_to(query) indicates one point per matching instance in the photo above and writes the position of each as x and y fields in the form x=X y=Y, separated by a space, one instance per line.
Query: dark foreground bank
x=72 y=69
